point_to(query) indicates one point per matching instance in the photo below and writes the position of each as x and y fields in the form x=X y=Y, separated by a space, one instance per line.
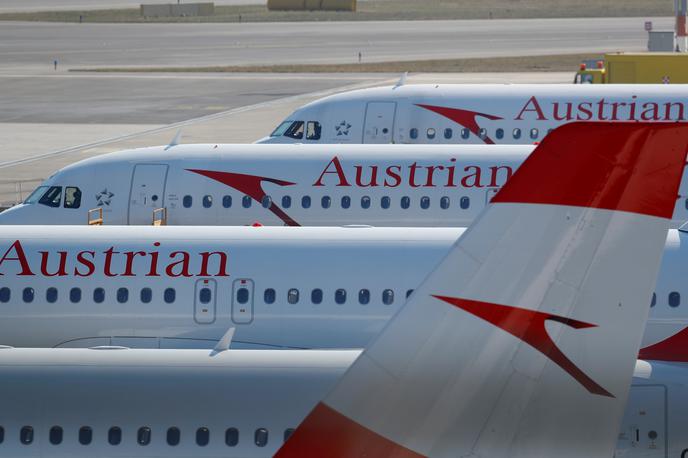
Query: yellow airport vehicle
x=635 y=68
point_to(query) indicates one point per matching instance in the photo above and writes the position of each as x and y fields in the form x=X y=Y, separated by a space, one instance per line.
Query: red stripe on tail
x=325 y=433
x=613 y=166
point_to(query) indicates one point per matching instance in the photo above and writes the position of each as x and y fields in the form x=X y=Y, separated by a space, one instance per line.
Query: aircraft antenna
x=175 y=141
x=402 y=80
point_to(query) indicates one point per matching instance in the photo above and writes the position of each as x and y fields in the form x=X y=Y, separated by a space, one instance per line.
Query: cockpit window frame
x=36 y=195
x=282 y=128
x=50 y=199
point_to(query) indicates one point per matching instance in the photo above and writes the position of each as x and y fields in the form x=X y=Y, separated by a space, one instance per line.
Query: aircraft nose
x=19 y=214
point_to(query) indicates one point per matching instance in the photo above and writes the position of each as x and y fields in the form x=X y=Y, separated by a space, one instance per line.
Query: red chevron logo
x=529 y=326
x=464 y=118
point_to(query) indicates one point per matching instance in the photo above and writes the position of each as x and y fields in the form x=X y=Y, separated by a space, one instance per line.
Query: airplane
x=473 y=113
x=294 y=185
x=522 y=346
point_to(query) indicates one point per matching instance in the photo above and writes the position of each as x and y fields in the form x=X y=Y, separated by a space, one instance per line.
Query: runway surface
x=34 y=46
x=7 y=6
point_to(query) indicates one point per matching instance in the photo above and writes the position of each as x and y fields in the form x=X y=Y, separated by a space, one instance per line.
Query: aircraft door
x=147 y=192
x=644 y=429
x=242 y=301
x=205 y=301
x=379 y=122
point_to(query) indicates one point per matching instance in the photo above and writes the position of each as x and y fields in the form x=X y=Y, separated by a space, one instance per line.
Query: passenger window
x=482 y=133
x=286 y=202
x=207 y=201
x=444 y=203
x=122 y=295
x=385 y=202
x=326 y=201
x=293 y=296
x=202 y=436
x=173 y=436
x=405 y=202
x=346 y=202
x=146 y=295
x=246 y=201
x=232 y=437
x=533 y=133
x=306 y=202
x=169 y=295
x=499 y=133
x=408 y=293
x=465 y=133
x=653 y=301
x=75 y=295
x=430 y=133
x=674 y=299
x=363 y=296
x=365 y=202
x=465 y=202
x=516 y=133
x=340 y=296
x=187 y=201
x=266 y=201
x=287 y=433
x=316 y=296
x=227 y=201
x=143 y=436
x=205 y=295
x=5 y=294
x=413 y=133
x=269 y=296
x=387 y=297
x=295 y=130
x=55 y=435
x=26 y=435
x=27 y=294
x=72 y=197
x=114 y=435
x=98 y=295
x=448 y=133
x=50 y=295
x=313 y=130
x=281 y=129
x=425 y=202
x=2 y=434
x=52 y=197
x=261 y=437
x=242 y=295
x=85 y=435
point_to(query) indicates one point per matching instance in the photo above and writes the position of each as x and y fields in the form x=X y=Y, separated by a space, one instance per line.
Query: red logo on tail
x=529 y=326
x=252 y=186
x=465 y=118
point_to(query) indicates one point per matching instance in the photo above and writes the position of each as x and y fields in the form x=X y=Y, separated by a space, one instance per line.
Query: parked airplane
x=473 y=113
x=519 y=346
x=283 y=185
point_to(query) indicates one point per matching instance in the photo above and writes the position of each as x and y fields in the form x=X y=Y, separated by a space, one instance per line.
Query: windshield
x=281 y=128
x=52 y=197
x=35 y=195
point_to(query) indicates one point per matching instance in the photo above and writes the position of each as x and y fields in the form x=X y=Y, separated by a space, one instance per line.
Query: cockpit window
x=52 y=197
x=281 y=129
x=72 y=197
x=295 y=130
x=35 y=195
x=313 y=130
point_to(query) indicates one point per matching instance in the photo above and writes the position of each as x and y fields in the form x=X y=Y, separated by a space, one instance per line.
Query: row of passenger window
x=345 y=202
x=52 y=294
x=674 y=299
x=144 y=436
x=340 y=296
x=448 y=133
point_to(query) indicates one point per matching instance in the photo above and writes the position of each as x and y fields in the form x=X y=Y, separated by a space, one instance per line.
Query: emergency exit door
x=205 y=301
x=379 y=122
x=644 y=429
x=147 y=192
x=242 y=301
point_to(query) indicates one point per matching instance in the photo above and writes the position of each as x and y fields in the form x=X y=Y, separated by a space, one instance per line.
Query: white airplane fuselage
x=237 y=403
x=184 y=287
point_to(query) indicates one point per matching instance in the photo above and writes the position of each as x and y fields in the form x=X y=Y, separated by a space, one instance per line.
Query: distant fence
x=13 y=192
x=312 y=5
x=178 y=10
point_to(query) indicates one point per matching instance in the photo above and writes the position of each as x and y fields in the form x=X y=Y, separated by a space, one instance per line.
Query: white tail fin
x=522 y=342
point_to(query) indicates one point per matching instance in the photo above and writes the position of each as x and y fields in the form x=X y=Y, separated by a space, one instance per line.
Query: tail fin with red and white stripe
x=522 y=342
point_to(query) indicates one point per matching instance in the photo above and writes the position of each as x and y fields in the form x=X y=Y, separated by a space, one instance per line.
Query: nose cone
x=19 y=214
